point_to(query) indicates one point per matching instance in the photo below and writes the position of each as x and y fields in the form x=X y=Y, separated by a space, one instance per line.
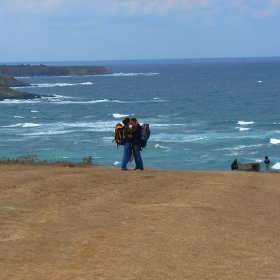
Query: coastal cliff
x=10 y=81
x=8 y=72
x=7 y=81
x=8 y=93
x=43 y=70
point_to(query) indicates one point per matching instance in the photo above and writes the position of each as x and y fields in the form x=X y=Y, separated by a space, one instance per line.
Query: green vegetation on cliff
x=10 y=81
x=43 y=70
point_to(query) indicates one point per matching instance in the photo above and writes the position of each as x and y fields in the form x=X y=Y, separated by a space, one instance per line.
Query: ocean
x=203 y=113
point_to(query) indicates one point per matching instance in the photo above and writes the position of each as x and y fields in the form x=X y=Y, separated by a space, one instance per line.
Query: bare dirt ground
x=102 y=223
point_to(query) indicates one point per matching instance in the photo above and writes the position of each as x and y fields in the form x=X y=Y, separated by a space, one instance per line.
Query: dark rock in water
x=10 y=81
x=8 y=93
x=43 y=70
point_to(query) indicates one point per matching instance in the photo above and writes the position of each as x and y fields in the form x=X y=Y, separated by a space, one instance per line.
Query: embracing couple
x=131 y=143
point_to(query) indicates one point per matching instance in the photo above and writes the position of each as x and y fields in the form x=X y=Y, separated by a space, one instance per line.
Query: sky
x=92 y=30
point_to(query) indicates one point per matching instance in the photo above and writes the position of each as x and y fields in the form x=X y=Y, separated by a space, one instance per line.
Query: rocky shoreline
x=8 y=80
x=8 y=93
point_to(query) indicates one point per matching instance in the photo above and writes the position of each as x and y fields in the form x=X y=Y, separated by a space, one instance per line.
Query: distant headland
x=8 y=93
x=8 y=81
x=43 y=70
x=9 y=72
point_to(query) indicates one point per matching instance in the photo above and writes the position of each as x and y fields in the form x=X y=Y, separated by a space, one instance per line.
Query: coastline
x=8 y=93
x=98 y=222
x=8 y=80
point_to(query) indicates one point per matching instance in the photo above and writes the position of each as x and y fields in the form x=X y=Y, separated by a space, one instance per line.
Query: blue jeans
x=137 y=157
x=126 y=155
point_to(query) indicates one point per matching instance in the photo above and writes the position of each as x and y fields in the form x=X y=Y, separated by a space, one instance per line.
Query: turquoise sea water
x=202 y=113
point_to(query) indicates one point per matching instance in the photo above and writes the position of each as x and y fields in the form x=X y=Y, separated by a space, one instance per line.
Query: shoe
x=138 y=169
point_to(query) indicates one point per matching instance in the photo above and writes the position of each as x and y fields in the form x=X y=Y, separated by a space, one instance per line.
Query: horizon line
x=140 y=59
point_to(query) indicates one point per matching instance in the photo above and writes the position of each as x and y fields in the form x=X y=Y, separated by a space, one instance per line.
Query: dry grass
x=102 y=223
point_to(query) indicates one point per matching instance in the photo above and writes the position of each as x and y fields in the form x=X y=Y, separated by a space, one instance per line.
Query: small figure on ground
x=266 y=164
x=234 y=165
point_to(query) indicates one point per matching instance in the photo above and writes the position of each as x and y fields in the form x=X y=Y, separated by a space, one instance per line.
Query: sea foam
x=60 y=84
x=276 y=166
x=242 y=128
x=30 y=125
x=245 y=123
x=274 y=141
x=118 y=116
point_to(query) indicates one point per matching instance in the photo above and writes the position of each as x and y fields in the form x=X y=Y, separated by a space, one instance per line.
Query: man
x=127 y=142
x=136 y=136
x=266 y=164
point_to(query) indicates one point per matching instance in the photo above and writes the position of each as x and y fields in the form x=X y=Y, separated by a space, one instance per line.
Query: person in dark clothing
x=266 y=164
x=234 y=165
x=127 y=132
x=136 y=136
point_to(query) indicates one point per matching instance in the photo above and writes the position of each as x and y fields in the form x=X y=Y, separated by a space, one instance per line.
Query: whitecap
x=117 y=162
x=274 y=141
x=12 y=101
x=260 y=81
x=44 y=133
x=161 y=147
x=162 y=125
x=64 y=128
x=19 y=117
x=13 y=125
x=33 y=111
x=23 y=125
x=245 y=123
x=131 y=74
x=242 y=128
x=276 y=165
x=30 y=125
x=239 y=147
x=61 y=84
x=118 y=116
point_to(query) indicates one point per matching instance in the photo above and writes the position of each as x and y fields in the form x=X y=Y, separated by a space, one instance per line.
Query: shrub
x=33 y=160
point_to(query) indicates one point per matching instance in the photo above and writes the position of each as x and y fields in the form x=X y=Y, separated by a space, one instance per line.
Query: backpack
x=145 y=135
x=118 y=135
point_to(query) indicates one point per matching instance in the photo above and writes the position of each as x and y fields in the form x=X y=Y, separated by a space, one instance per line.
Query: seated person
x=234 y=165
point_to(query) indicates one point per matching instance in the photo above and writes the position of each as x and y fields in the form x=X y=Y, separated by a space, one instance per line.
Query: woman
x=127 y=149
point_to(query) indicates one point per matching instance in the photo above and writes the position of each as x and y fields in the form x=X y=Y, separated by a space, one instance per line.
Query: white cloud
x=265 y=13
x=32 y=6
x=275 y=2
x=123 y=7
x=257 y=8
x=137 y=7
x=146 y=7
